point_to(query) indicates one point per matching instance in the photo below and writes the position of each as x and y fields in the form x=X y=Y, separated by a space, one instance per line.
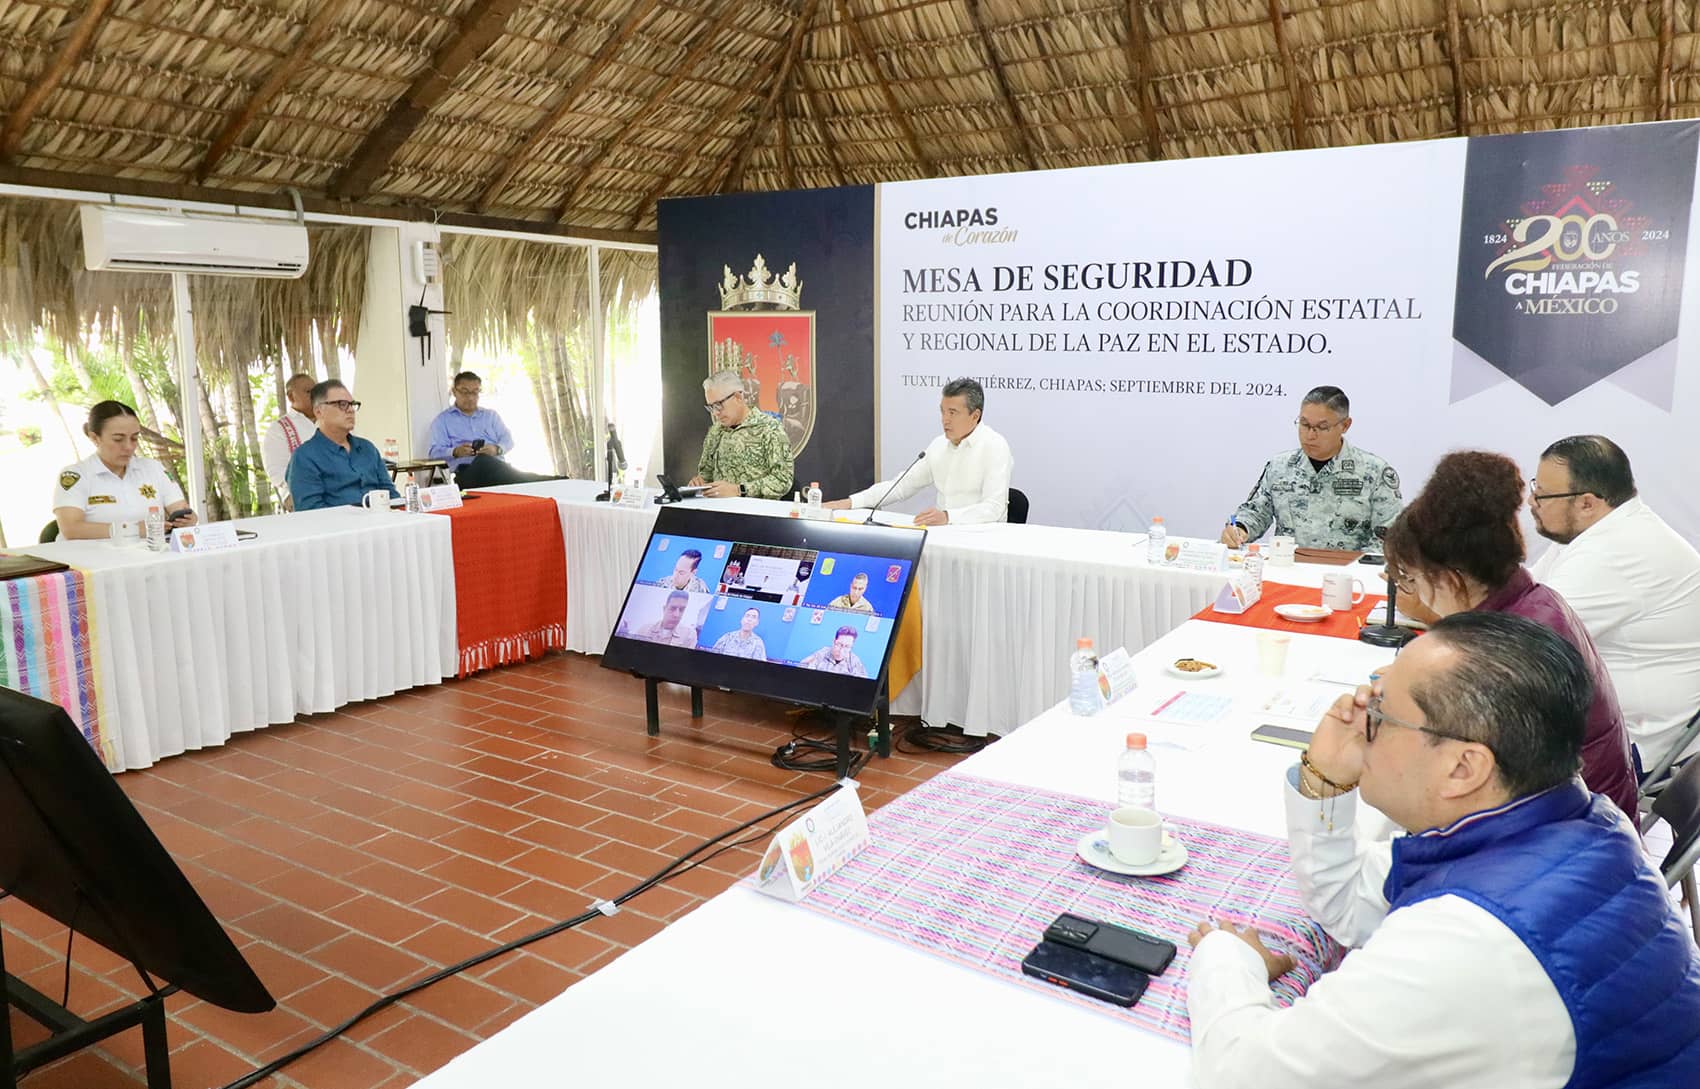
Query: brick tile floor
x=350 y=852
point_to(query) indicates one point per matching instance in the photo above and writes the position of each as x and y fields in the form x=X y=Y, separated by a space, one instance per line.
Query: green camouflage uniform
x=1340 y=505
x=755 y=454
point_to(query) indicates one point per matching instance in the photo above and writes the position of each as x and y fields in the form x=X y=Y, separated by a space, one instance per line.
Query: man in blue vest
x=1516 y=937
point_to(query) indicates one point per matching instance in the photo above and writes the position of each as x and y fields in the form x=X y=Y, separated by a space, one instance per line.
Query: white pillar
x=189 y=389
x=400 y=392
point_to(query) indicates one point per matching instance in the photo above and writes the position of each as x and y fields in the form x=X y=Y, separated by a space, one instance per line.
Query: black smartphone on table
x=1121 y=944
x=1088 y=973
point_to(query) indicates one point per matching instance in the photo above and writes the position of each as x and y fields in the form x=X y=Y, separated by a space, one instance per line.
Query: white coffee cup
x=377 y=501
x=1341 y=591
x=1136 y=835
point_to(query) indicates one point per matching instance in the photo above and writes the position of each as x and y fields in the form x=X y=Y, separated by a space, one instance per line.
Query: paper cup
x=1272 y=652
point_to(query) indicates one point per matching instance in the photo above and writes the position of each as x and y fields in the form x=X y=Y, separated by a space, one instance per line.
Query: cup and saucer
x=1139 y=834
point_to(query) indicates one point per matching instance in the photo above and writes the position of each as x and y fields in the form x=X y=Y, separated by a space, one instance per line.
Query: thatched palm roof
x=584 y=112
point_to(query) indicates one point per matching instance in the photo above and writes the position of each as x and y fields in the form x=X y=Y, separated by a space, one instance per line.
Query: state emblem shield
x=773 y=352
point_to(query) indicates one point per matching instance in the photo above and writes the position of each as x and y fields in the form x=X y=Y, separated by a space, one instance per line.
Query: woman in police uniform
x=114 y=484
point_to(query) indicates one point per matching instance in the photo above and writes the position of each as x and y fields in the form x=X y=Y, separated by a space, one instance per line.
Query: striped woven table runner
x=974 y=871
x=48 y=649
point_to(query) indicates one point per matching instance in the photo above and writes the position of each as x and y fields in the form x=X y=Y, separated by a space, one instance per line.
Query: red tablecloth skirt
x=510 y=579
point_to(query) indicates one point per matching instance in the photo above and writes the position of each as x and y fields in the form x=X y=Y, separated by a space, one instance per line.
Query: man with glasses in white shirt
x=1327 y=493
x=1632 y=581
x=970 y=465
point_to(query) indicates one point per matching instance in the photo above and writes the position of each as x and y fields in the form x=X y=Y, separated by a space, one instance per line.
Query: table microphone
x=875 y=508
x=1387 y=634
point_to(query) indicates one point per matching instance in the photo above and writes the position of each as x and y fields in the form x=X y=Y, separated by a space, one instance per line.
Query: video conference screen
x=798 y=610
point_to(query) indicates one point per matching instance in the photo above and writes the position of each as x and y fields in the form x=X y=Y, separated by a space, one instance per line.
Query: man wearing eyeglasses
x=1517 y=935
x=335 y=467
x=1632 y=581
x=1327 y=493
x=746 y=451
x=473 y=440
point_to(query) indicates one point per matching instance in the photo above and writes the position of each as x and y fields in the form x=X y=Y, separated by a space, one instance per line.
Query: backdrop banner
x=780 y=288
x=1145 y=332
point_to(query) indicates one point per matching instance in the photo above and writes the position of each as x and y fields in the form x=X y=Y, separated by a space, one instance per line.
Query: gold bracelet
x=1340 y=788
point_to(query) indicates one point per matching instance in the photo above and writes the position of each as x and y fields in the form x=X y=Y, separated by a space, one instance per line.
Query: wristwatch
x=743 y=491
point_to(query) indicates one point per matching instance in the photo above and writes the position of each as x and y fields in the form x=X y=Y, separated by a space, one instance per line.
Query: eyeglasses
x=1536 y=497
x=464 y=392
x=346 y=406
x=1374 y=716
x=713 y=407
x=1316 y=429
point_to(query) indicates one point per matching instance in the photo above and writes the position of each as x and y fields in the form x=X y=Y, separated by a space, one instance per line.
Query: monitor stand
x=879 y=737
x=71 y=1033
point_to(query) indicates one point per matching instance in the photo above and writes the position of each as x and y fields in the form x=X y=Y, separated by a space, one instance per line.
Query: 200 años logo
x=1580 y=247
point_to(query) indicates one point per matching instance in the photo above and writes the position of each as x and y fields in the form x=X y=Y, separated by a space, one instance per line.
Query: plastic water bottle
x=814 y=499
x=1136 y=774
x=156 y=527
x=412 y=496
x=1156 y=540
x=392 y=450
x=1254 y=566
x=1083 y=695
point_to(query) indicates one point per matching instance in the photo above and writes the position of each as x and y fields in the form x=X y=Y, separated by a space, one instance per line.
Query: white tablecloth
x=324 y=608
x=1002 y=605
x=748 y=990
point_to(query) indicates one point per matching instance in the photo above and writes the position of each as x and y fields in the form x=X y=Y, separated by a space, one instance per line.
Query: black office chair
x=1656 y=778
x=50 y=532
x=1678 y=805
x=1017 y=506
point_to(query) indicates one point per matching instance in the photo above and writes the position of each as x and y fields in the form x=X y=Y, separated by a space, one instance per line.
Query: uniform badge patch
x=1348 y=485
x=68 y=478
x=96 y=500
x=148 y=491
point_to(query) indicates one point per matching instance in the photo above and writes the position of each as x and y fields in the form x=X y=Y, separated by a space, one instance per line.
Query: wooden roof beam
x=1667 y=32
x=1139 y=71
x=733 y=178
x=898 y=115
x=63 y=60
x=1021 y=135
x=788 y=168
x=479 y=28
x=681 y=72
x=540 y=132
x=279 y=77
x=1295 y=92
x=734 y=102
x=827 y=143
x=1455 y=51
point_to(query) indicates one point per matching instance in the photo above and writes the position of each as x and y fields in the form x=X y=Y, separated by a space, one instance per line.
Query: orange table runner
x=1343 y=625
x=906 y=646
x=510 y=579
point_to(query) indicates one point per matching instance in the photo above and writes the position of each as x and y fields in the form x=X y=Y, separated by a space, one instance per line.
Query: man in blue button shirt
x=474 y=440
x=335 y=467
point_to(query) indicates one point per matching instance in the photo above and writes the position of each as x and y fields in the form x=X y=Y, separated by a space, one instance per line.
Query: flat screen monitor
x=799 y=610
x=74 y=848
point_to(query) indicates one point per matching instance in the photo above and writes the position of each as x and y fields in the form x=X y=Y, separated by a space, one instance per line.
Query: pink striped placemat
x=974 y=871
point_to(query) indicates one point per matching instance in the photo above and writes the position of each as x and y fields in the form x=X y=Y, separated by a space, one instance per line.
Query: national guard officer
x=1327 y=493
x=746 y=451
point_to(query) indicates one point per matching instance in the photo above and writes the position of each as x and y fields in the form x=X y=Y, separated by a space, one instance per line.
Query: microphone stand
x=608 y=493
x=1388 y=634
x=875 y=509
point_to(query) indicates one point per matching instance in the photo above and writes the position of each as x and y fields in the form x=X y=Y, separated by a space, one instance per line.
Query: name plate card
x=814 y=846
x=1195 y=554
x=1115 y=675
x=439 y=497
x=210 y=537
x=1238 y=594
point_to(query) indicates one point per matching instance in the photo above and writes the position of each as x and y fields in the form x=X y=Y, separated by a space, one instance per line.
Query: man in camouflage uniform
x=746 y=451
x=1327 y=493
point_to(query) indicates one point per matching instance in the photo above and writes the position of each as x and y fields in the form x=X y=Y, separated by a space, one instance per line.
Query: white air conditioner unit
x=130 y=240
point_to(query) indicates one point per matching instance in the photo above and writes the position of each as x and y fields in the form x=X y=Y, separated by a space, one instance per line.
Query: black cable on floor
x=683 y=864
x=922 y=738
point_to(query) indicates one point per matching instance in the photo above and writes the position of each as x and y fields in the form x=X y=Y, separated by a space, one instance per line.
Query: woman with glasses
x=1458 y=547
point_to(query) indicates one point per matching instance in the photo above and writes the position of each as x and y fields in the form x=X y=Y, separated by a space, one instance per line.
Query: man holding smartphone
x=473 y=440
x=1517 y=936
